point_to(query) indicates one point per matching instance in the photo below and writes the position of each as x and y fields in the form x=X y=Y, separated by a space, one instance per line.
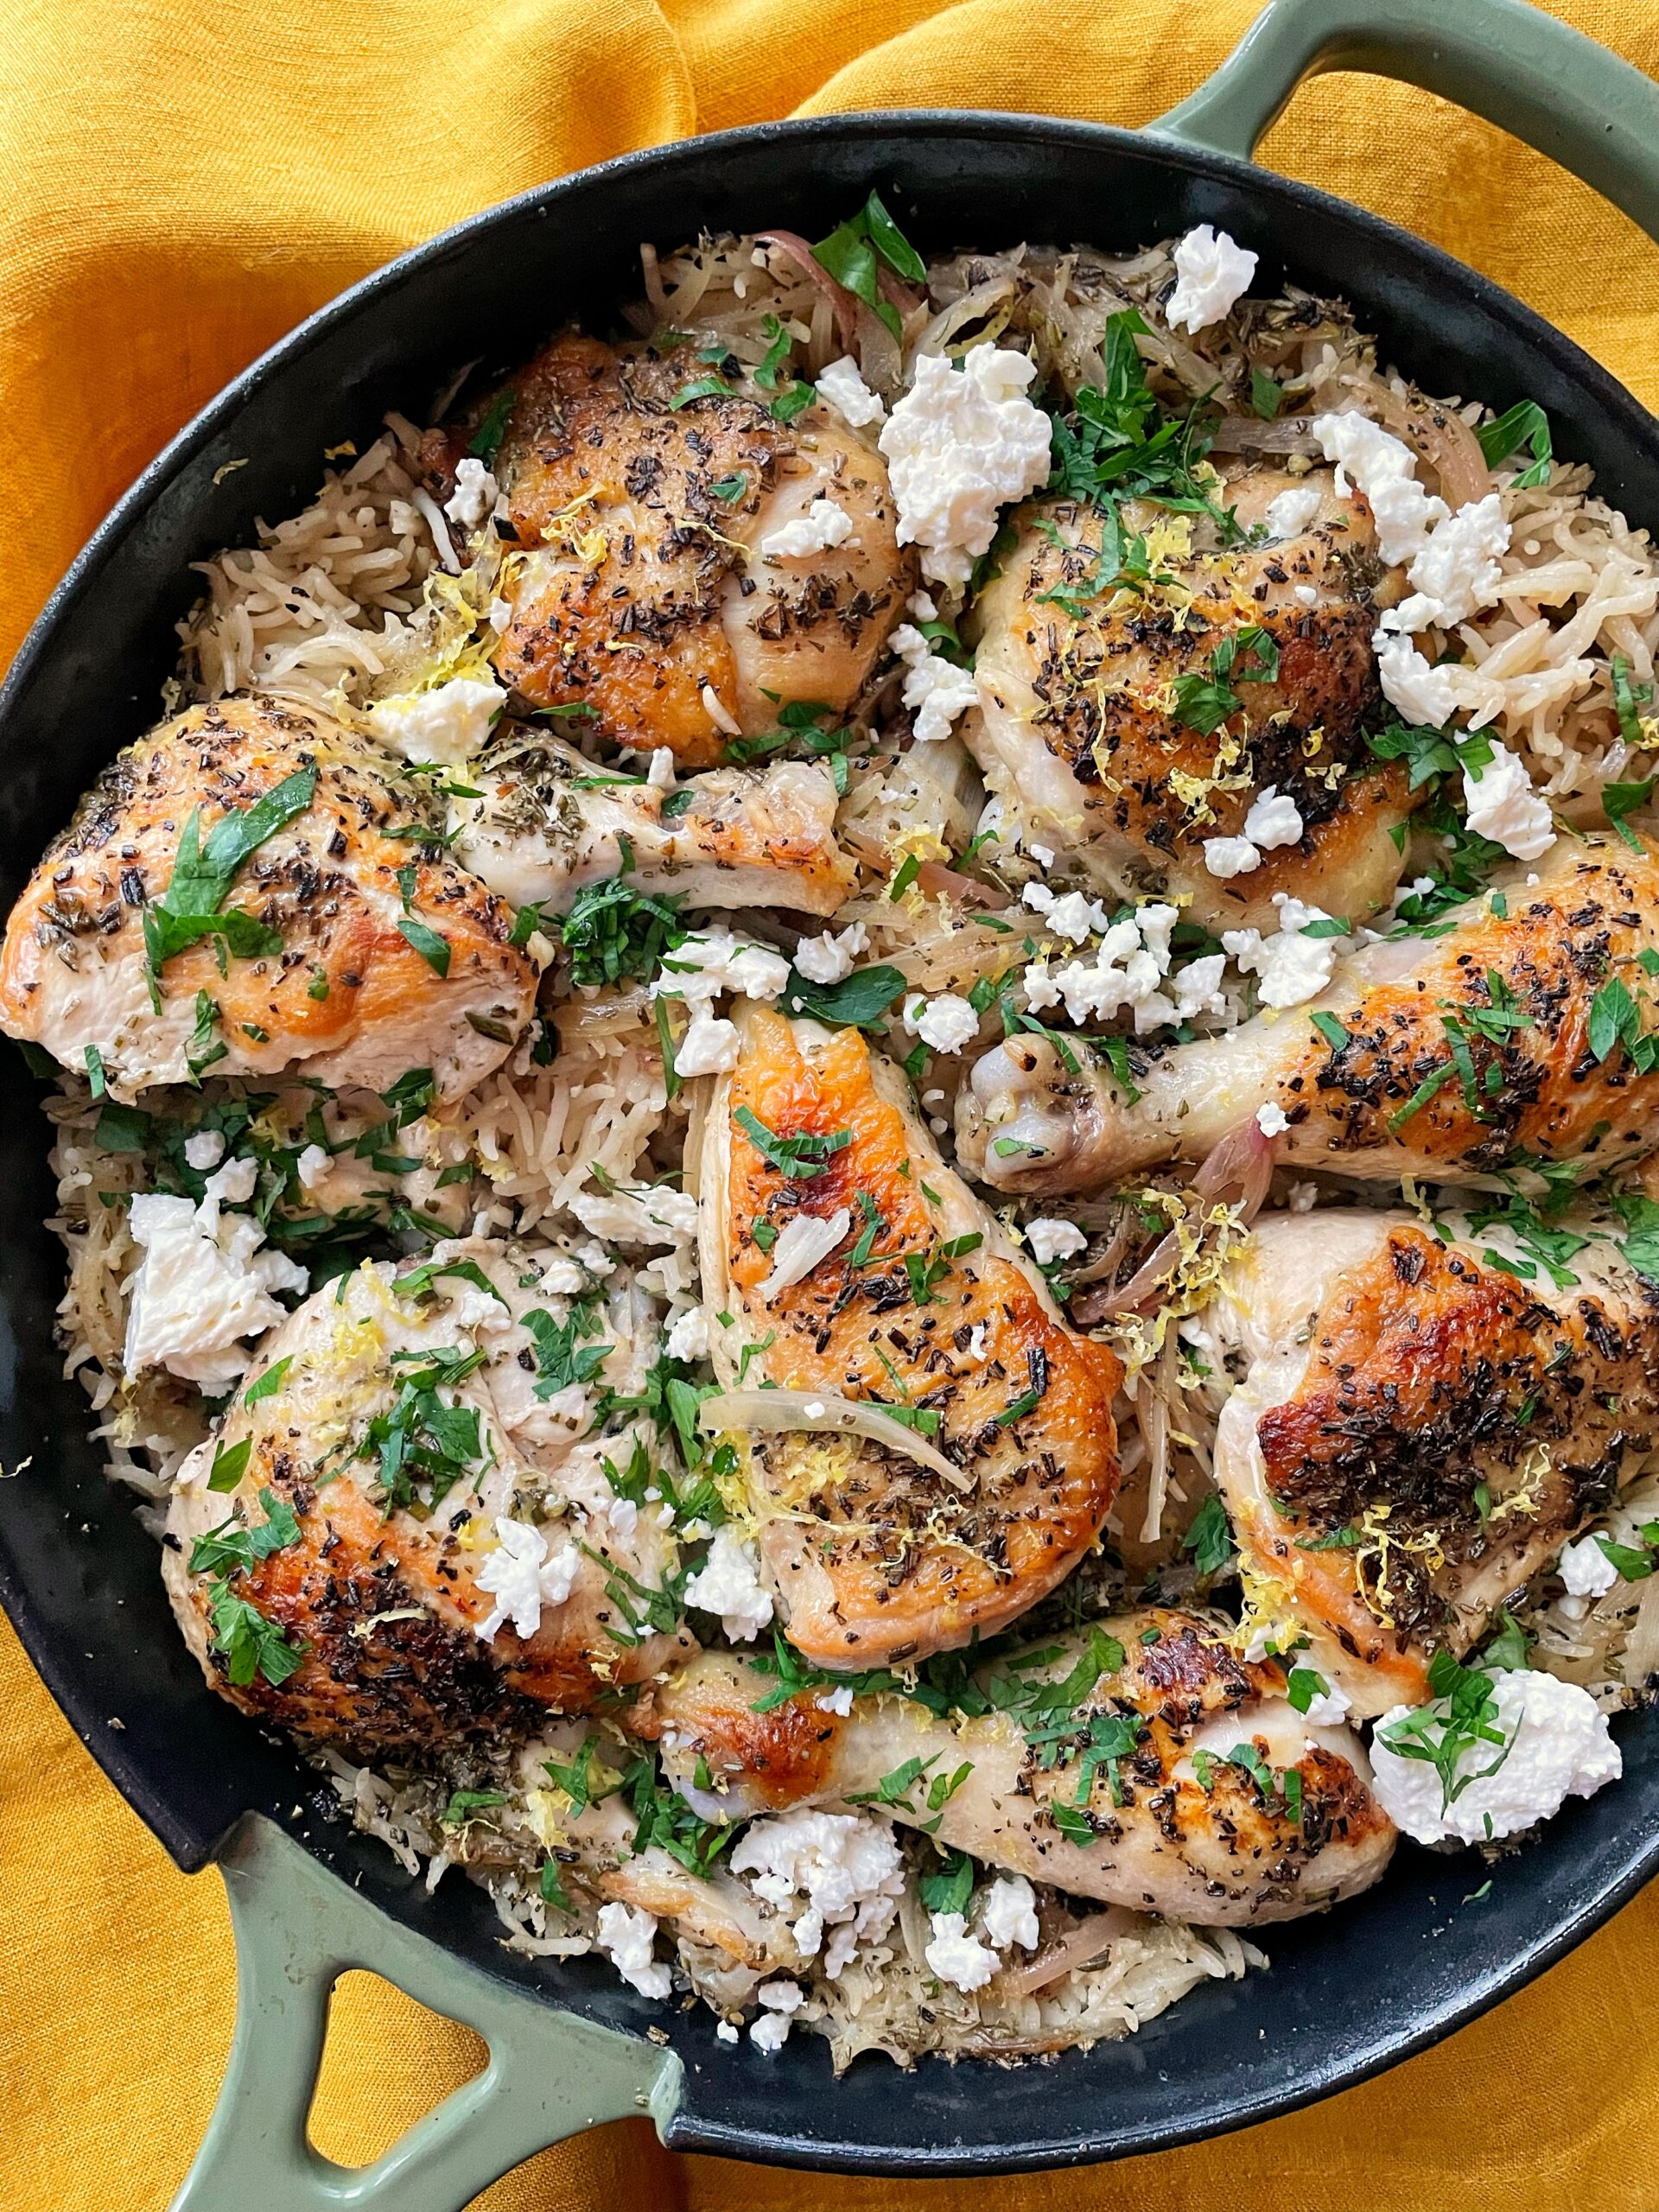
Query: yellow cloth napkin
x=182 y=182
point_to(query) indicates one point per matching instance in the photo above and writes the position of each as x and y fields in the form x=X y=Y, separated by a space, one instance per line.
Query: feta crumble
x=1291 y=512
x=936 y=691
x=688 y=1338
x=1274 y=820
x=1212 y=273
x=944 y=1024
x=523 y=1576
x=838 y=1700
x=1008 y=1913
x=204 y=1150
x=1458 y=571
x=1587 y=1570
x=770 y=2032
x=312 y=1166
x=829 y=958
x=846 y=390
x=1129 y=968
x=1501 y=804
x=803 y=1241
x=474 y=494
x=1558 y=1746
x=449 y=724
x=625 y=1934
x=728 y=1582
x=1384 y=468
x=1328 y=1708
x=839 y=1872
x=820 y=529
x=1422 y=694
x=203 y=1283
x=1051 y=1240
x=1293 y=969
x=708 y=1046
x=1226 y=857
x=960 y=445
x=1074 y=916
x=958 y=1957
x=713 y=960
x=1271 y=1119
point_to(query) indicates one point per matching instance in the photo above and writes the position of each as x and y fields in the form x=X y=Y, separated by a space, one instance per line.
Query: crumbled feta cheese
x=781 y=1996
x=1424 y=696
x=475 y=494
x=838 y=1700
x=1127 y=969
x=659 y=770
x=203 y=1283
x=688 y=1338
x=449 y=724
x=1384 y=468
x=1293 y=969
x=820 y=529
x=1073 y=917
x=708 y=1046
x=837 y=1870
x=727 y=2032
x=713 y=960
x=626 y=1935
x=1198 y=987
x=204 y=1150
x=1289 y=514
x=1274 y=820
x=847 y=393
x=728 y=1584
x=1008 y=1913
x=651 y=1215
x=1051 y=1240
x=312 y=1166
x=1226 y=857
x=1305 y=594
x=1042 y=854
x=1457 y=572
x=1587 y=1570
x=804 y=1239
x=1271 y=1119
x=500 y=616
x=1502 y=805
x=958 y=1957
x=936 y=690
x=1303 y=1198
x=959 y=445
x=1328 y=1708
x=829 y=958
x=770 y=2032
x=1558 y=1747
x=944 y=1024
x=522 y=1576
x=1212 y=272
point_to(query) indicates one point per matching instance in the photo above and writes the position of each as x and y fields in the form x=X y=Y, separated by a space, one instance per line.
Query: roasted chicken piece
x=1502 y=1042
x=234 y=894
x=841 y=1259
x=1413 y=1430
x=1106 y=1765
x=460 y=1560
x=643 y=585
x=1083 y=738
x=549 y=825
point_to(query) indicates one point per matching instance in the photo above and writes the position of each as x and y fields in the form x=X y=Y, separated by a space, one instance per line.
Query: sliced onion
x=1448 y=445
x=1244 y=1158
x=841 y=300
x=937 y=881
x=1244 y=434
x=813 y=1413
x=1078 y=1947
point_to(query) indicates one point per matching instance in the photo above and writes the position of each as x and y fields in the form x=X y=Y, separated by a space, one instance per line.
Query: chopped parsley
x=799 y=1157
x=192 y=907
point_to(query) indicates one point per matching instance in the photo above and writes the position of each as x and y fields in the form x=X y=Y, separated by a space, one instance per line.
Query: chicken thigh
x=1518 y=1034
x=1415 y=1427
x=253 y=889
x=1104 y=1763
x=842 y=1262
x=1086 y=737
x=671 y=567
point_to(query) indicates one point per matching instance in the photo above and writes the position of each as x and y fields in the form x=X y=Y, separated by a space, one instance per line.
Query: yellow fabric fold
x=182 y=182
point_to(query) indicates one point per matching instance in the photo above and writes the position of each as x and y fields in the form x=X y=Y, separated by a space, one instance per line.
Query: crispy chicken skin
x=546 y=828
x=639 y=585
x=1405 y=1005
x=875 y=1557
x=1080 y=738
x=1415 y=1432
x=385 y=1600
x=348 y=999
x=1231 y=1855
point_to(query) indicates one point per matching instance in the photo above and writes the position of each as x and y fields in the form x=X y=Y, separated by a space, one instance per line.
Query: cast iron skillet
x=1349 y=1993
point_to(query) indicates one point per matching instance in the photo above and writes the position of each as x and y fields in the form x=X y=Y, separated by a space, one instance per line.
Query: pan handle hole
x=360 y=2108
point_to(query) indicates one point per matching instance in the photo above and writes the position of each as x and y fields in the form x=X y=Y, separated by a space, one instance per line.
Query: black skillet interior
x=1347 y=1993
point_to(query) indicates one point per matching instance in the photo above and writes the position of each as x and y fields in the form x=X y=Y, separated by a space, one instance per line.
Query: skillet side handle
x=1539 y=78
x=298 y=1928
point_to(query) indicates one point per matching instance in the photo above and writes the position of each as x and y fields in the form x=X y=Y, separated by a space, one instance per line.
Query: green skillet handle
x=1519 y=68
x=298 y=1928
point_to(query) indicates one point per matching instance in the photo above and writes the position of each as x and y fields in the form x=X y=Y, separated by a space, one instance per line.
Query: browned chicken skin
x=1156 y=1830
x=642 y=589
x=1082 y=736
x=347 y=996
x=877 y=1559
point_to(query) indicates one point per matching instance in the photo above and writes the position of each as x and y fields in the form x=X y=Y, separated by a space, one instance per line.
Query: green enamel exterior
x=299 y=1927
x=1523 y=71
